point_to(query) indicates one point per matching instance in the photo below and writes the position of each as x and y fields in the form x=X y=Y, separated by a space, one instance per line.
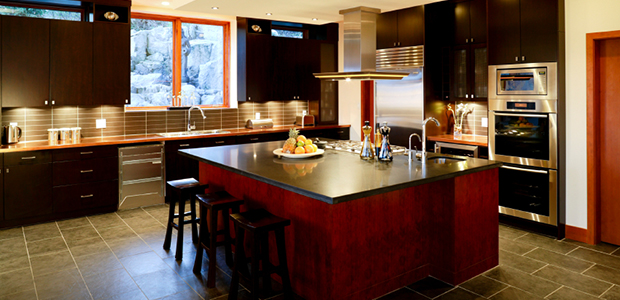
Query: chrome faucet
x=420 y=139
x=189 y=115
x=424 y=136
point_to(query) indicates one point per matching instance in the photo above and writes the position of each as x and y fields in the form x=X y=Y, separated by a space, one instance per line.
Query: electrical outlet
x=100 y=123
x=485 y=122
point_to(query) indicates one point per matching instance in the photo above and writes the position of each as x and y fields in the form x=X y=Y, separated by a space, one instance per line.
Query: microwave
x=534 y=81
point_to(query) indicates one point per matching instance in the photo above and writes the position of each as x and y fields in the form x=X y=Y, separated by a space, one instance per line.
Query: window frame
x=80 y=10
x=177 y=23
x=304 y=31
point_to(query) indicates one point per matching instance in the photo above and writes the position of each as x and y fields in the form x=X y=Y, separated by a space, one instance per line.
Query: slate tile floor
x=120 y=256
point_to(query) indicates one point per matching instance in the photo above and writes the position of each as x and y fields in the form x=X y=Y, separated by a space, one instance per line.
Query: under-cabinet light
x=165 y=3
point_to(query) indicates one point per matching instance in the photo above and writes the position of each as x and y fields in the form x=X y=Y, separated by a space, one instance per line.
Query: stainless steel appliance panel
x=141 y=175
x=400 y=103
x=457 y=149
x=529 y=194
x=543 y=81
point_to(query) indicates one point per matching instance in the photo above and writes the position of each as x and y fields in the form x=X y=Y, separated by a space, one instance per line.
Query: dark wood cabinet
x=2 y=186
x=294 y=62
x=259 y=85
x=71 y=66
x=259 y=138
x=177 y=166
x=469 y=72
x=522 y=31
x=28 y=186
x=470 y=22
x=25 y=62
x=90 y=170
x=111 y=63
x=401 y=28
x=76 y=197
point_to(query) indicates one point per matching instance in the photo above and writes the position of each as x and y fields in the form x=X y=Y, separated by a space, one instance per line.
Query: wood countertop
x=135 y=139
x=467 y=139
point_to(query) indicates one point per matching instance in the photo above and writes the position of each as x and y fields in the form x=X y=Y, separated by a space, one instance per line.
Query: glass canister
x=367 y=149
x=64 y=135
x=76 y=135
x=52 y=136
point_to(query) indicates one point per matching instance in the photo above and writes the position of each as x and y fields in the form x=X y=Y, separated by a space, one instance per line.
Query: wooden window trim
x=177 y=23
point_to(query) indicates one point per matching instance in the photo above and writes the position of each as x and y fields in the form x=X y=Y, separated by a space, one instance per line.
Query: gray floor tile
x=129 y=247
x=12 y=248
x=161 y=283
x=106 y=221
x=515 y=247
x=459 y=294
x=15 y=282
x=569 y=294
x=484 y=286
x=546 y=243
x=60 y=284
x=52 y=263
x=597 y=257
x=47 y=246
x=79 y=233
x=117 y=233
x=11 y=233
x=604 y=273
x=510 y=233
x=184 y=295
x=111 y=284
x=522 y=280
x=12 y=264
x=132 y=213
x=88 y=246
x=97 y=263
x=41 y=231
x=574 y=280
x=72 y=223
x=133 y=295
x=602 y=247
x=430 y=287
x=137 y=223
x=199 y=283
x=564 y=261
x=403 y=294
x=512 y=293
x=24 y=295
x=519 y=262
x=144 y=263
x=185 y=267
x=612 y=294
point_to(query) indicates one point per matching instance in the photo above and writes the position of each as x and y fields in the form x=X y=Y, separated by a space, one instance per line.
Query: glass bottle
x=385 y=153
x=377 y=143
x=367 y=149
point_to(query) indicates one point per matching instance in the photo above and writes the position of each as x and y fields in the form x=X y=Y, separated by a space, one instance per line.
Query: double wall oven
x=523 y=134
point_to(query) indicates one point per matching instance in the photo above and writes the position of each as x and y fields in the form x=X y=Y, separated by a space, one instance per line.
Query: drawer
x=27 y=158
x=268 y=137
x=84 y=196
x=173 y=147
x=139 y=169
x=84 y=153
x=141 y=151
x=139 y=193
x=220 y=141
x=74 y=172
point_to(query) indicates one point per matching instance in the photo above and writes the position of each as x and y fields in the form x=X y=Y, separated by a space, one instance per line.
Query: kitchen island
x=360 y=229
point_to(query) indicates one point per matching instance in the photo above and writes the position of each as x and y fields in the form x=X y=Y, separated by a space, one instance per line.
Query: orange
x=316 y=148
x=309 y=148
x=300 y=150
x=301 y=138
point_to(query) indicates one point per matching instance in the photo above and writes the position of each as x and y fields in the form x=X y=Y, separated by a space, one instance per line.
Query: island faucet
x=424 y=136
x=189 y=115
x=419 y=139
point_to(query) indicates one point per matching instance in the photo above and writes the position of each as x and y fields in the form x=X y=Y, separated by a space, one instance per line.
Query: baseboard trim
x=577 y=233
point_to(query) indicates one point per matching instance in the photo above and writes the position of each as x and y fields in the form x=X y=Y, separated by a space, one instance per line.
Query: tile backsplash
x=34 y=122
x=472 y=124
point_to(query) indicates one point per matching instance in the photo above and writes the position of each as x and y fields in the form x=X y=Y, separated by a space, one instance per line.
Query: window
x=43 y=13
x=295 y=34
x=178 y=62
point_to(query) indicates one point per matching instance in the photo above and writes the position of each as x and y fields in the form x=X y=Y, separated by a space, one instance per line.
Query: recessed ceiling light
x=215 y=7
x=165 y=3
x=269 y=14
x=315 y=19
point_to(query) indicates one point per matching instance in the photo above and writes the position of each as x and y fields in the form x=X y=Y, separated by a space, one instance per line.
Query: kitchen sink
x=192 y=133
x=444 y=159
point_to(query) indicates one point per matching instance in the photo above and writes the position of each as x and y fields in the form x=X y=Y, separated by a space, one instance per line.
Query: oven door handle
x=521 y=115
x=525 y=170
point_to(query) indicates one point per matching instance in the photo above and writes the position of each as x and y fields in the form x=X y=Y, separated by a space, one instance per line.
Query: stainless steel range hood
x=360 y=46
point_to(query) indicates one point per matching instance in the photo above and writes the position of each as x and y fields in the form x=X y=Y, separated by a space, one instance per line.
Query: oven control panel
x=521 y=105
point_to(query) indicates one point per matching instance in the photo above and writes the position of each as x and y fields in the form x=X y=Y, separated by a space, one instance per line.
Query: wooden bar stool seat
x=259 y=223
x=183 y=189
x=212 y=204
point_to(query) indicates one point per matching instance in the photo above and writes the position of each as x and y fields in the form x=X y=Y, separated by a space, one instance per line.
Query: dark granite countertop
x=335 y=176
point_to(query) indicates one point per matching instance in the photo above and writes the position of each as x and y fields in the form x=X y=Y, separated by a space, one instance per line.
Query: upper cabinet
x=470 y=22
x=111 y=70
x=523 y=31
x=401 y=28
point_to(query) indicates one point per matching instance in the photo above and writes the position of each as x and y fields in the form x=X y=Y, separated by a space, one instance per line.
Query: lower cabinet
x=28 y=185
x=85 y=196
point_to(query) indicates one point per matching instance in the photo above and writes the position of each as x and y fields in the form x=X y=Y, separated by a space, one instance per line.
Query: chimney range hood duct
x=360 y=46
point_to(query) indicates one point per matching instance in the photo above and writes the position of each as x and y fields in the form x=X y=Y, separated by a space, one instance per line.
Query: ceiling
x=300 y=11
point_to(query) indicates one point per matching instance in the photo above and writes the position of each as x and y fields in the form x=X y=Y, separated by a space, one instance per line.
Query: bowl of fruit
x=297 y=146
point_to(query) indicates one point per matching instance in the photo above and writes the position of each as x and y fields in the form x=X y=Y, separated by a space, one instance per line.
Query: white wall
x=233 y=39
x=582 y=16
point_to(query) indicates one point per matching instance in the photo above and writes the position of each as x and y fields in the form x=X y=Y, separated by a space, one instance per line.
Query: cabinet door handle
x=523 y=58
x=254 y=139
x=45 y=102
x=157 y=162
x=53 y=102
x=516 y=58
x=184 y=145
x=126 y=100
x=341 y=131
x=398 y=43
x=86 y=171
x=466 y=41
x=219 y=142
x=466 y=95
x=471 y=40
x=86 y=196
x=87 y=152
x=394 y=44
x=28 y=157
x=249 y=98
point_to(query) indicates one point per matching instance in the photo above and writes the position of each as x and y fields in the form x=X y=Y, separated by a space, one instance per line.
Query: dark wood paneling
x=411 y=26
x=90 y=170
x=462 y=26
x=28 y=192
x=387 y=30
x=25 y=61
x=71 y=66
x=478 y=21
x=308 y=62
x=504 y=40
x=539 y=31
x=111 y=63
x=260 y=68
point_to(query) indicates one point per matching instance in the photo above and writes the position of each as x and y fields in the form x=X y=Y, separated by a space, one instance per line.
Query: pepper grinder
x=385 y=154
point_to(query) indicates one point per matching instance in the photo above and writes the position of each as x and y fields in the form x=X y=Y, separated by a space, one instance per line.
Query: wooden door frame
x=594 y=126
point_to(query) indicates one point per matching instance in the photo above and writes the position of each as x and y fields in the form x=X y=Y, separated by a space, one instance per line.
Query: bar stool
x=259 y=223
x=183 y=189
x=214 y=203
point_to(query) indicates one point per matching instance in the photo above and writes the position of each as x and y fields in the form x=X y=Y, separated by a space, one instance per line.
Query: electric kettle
x=11 y=134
